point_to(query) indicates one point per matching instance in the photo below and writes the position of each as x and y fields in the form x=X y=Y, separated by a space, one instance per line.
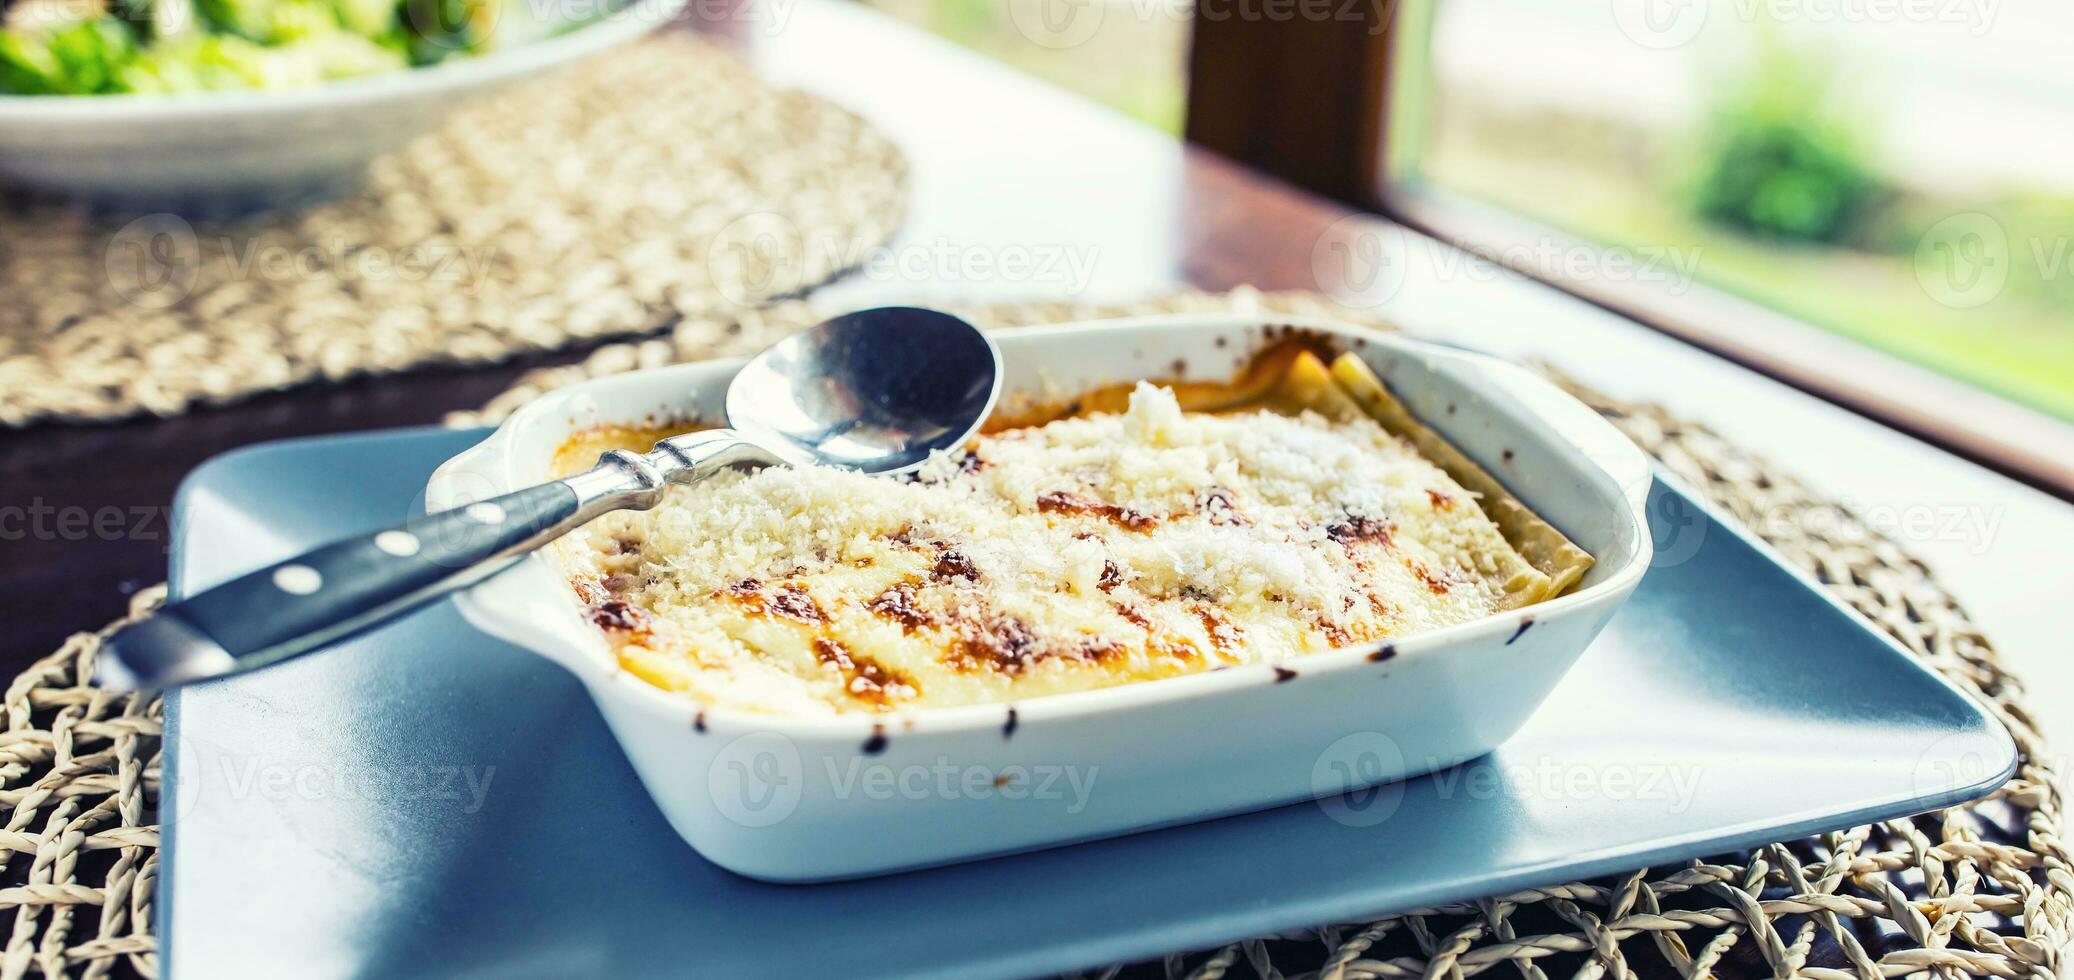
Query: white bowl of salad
x=246 y=103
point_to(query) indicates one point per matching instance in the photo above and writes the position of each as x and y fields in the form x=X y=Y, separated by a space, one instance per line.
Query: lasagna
x=1137 y=533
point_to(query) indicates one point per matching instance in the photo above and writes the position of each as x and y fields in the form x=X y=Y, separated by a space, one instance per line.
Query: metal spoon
x=876 y=391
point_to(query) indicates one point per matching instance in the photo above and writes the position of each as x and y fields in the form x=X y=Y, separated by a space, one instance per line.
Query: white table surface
x=1078 y=183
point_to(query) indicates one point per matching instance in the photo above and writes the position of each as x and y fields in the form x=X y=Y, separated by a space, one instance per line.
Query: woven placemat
x=611 y=198
x=1984 y=889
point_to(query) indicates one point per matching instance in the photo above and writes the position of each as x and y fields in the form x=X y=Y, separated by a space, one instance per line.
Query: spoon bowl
x=876 y=390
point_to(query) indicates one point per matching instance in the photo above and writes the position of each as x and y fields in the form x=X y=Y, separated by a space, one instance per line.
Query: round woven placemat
x=1984 y=889
x=611 y=198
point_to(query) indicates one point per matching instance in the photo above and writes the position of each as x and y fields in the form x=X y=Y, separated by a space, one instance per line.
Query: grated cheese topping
x=1083 y=553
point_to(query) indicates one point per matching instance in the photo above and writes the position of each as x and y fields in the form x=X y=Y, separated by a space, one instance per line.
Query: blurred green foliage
x=72 y=58
x=1773 y=189
x=1778 y=160
x=88 y=47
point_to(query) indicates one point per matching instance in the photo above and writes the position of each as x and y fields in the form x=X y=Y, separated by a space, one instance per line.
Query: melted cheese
x=1083 y=553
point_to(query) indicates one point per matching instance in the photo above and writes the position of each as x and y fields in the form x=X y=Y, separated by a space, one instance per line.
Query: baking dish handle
x=1597 y=440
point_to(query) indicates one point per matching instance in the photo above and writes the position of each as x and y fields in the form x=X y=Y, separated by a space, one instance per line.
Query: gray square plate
x=426 y=801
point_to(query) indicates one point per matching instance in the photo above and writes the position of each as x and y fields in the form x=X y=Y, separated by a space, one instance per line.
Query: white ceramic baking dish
x=805 y=799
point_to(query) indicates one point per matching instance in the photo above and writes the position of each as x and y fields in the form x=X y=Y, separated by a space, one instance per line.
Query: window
x=1890 y=171
x=1127 y=54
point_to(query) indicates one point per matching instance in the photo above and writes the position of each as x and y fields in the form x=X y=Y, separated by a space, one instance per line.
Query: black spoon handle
x=347 y=586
